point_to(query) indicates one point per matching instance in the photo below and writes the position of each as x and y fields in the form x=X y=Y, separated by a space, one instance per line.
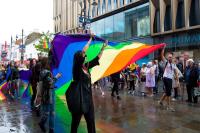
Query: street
x=131 y=114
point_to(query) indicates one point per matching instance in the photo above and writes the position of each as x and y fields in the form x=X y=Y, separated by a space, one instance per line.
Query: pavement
x=131 y=114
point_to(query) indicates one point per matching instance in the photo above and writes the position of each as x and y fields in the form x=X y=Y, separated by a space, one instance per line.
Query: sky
x=30 y=15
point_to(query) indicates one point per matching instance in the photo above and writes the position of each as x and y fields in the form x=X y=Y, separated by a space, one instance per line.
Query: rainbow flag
x=28 y=92
x=115 y=57
x=23 y=87
x=3 y=86
x=45 y=43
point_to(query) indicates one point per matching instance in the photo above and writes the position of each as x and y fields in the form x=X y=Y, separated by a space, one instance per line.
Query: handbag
x=38 y=97
x=196 y=92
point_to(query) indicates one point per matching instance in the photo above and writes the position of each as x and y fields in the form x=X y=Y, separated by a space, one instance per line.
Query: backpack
x=180 y=67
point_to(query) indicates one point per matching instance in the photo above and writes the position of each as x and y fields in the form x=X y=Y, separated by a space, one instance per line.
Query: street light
x=94 y=3
x=21 y=46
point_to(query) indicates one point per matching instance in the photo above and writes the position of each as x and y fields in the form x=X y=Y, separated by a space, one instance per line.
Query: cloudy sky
x=31 y=15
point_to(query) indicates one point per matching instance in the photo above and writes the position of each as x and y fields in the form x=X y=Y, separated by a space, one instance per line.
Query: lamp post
x=21 y=46
x=11 y=41
x=94 y=3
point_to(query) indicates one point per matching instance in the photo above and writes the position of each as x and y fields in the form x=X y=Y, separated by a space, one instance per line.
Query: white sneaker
x=173 y=99
x=102 y=93
x=160 y=103
x=133 y=93
x=171 y=109
x=151 y=95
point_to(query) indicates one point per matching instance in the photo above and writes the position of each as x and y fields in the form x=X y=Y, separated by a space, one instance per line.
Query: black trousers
x=190 y=91
x=176 y=92
x=89 y=117
x=115 y=88
x=34 y=94
x=132 y=85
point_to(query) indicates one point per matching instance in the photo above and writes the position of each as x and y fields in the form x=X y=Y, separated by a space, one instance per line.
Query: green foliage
x=39 y=46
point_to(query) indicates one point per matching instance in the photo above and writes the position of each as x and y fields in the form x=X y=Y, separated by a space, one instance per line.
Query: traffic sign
x=3 y=54
x=22 y=46
x=87 y=20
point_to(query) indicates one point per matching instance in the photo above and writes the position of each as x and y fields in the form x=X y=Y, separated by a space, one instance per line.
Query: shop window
x=194 y=13
x=167 y=21
x=115 y=4
x=156 y=24
x=121 y=3
x=180 y=17
x=109 y=5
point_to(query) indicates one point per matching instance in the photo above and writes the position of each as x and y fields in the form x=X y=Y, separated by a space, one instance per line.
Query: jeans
x=48 y=112
x=115 y=89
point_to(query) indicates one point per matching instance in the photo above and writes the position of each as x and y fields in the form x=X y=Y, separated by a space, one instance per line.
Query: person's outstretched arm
x=102 y=49
x=88 y=43
x=162 y=54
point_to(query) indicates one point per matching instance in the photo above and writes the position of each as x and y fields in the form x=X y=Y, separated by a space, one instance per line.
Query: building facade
x=174 y=22
x=177 y=23
x=65 y=15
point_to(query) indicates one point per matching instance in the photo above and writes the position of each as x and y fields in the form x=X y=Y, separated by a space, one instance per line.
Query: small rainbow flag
x=3 y=86
x=45 y=44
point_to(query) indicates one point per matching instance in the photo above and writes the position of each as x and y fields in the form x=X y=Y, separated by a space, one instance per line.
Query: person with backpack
x=47 y=96
x=167 y=79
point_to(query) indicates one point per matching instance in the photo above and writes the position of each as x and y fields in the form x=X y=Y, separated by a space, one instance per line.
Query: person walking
x=167 y=79
x=47 y=96
x=115 y=89
x=191 y=77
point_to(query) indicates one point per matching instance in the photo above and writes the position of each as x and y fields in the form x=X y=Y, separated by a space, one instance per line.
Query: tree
x=45 y=37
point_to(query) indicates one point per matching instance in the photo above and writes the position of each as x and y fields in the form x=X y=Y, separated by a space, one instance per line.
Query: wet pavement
x=131 y=114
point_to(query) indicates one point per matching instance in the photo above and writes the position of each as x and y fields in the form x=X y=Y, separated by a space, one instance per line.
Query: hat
x=149 y=64
x=190 y=60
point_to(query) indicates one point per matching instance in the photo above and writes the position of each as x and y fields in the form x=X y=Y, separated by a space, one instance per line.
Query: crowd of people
x=176 y=73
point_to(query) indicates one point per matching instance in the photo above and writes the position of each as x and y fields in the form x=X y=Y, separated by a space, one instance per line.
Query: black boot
x=112 y=95
x=118 y=98
x=51 y=130
x=42 y=127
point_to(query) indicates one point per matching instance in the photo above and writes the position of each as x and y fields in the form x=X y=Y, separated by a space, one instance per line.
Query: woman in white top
x=143 y=78
x=150 y=78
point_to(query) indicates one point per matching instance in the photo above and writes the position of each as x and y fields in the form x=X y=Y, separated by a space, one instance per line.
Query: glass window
x=104 y=6
x=93 y=28
x=119 y=27
x=137 y=22
x=109 y=5
x=143 y=24
x=99 y=8
x=128 y=1
x=109 y=27
x=194 y=13
x=100 y=28
x=156 y=24
x=180 y=17
x=121 y=3
x=115 y=4
x=168 y=20
x=93 y=11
